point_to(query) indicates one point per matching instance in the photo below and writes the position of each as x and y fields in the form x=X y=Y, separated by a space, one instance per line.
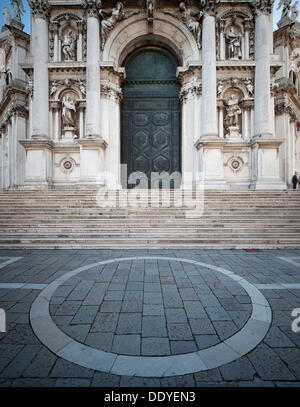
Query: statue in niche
x=18 y=9
x=6 y=14
x=234 y=44
x=249 y=86
x=190 y=18
x=68 y=46
x=68 y=111
x=82 y=87
x=233 y=112
x=111 y=18
x=220 y=87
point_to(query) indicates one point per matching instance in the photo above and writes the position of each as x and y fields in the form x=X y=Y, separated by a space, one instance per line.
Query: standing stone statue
x=111 y=18
x=18 y=9
x=234 y=44
x=68 y=112
x=233 y=111
x=6 y=14
x=68 y=46
x=190 y=18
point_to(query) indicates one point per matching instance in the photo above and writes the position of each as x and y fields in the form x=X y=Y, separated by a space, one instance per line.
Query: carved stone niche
x=233 y=113
x=69 y=114
x=68 y=44
x=233 y=40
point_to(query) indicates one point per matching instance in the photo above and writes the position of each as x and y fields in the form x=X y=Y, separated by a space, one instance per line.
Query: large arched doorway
x=151 y=114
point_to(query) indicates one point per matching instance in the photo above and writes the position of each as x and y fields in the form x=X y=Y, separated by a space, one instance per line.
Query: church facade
x=112 y=95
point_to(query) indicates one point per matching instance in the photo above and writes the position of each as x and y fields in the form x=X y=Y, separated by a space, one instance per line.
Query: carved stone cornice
x=92 y=7
x=208 y=7
x=262 y=6
x=39 y=8
x=283 y=105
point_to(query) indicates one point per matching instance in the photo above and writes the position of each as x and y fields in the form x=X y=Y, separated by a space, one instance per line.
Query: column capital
x=92 y=7
x=39 y=8
x=262 y=6
x=209 y=7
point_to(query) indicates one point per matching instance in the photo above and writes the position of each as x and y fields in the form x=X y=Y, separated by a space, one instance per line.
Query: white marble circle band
x=224 y=352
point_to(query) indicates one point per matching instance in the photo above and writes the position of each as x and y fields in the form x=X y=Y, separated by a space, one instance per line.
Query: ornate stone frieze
x=245 y=84
x=283 y=105
x=262 y=6
x=57 y=85
x=39 y=8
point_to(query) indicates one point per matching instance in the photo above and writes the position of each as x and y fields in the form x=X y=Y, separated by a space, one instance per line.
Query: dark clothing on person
x=295 y=181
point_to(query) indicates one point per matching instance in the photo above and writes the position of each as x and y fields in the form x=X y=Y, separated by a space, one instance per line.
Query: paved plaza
x=150 y=318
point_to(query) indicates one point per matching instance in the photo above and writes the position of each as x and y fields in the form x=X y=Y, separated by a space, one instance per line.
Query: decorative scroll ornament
x=262 y=6
x=289 y=12
x=92 y=7
x=190 y=18
x=39 y=8
x=59 y=84
x=111 y=18
x=209 y=6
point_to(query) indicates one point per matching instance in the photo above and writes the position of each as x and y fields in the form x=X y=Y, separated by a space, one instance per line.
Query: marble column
x=209 y=103
x=262 y=105
x=40 y=119
x=93 y=72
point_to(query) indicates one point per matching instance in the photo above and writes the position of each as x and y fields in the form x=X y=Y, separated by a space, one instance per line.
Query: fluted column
x=93 y=70
x=209 y=102
x=263 y=39
x=40 y=108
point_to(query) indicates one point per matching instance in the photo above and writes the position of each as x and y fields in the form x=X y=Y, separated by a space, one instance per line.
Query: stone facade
x=61 y=91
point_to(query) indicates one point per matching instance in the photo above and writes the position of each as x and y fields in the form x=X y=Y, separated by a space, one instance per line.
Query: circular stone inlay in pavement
x=150 y=316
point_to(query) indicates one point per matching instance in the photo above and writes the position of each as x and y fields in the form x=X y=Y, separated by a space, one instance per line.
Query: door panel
x=151 y=123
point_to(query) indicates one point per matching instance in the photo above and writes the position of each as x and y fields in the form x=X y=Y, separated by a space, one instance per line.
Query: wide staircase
x=154 y=219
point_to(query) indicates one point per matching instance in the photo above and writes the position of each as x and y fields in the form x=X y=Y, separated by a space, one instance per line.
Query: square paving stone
x=208 y=300
x=152 y=298
x=175 y=315
x=127 y=345
x=181 y=347
x=194 y=309
x=134 y=286
x=132 y=306
x=133 y=295
x=129 y=323
x=212 y=375
x=154 y=326
x=63 y=368
x=105 y=322
x=152 y=287
x=117 y=286
x=155 y=347
x=111 y=306
x=102 y=341
x=268 y=364
x=201 y=326
x=230 y=304
x=277 y=339
x=240 y=369
x=114 y=295
x=153 y=309
x=68 y=308
x=77 y=332
x=41 y=365
x=85 y=315
x=225 y=329
x=183 y=283
x=105 y=380
x=206 y=341
x=188 y=294
x=180 y=332
x=291 y=357
x=217 y=314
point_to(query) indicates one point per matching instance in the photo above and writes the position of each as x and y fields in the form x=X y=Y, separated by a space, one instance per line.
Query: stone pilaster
x=92 y=69
x=209 y=102
x=40 y=119
x=263 y=45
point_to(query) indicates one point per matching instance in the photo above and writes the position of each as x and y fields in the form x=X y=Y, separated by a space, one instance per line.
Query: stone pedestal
x=69 y=133
x=38 y=163
x=92 y=160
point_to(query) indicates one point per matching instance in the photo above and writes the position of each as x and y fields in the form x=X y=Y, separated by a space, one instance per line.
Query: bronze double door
x=151 y=141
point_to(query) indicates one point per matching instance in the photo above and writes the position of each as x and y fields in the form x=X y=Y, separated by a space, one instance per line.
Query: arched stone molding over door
x=129 y=35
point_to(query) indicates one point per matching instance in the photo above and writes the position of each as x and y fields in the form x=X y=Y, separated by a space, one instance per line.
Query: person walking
x=295 y=180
